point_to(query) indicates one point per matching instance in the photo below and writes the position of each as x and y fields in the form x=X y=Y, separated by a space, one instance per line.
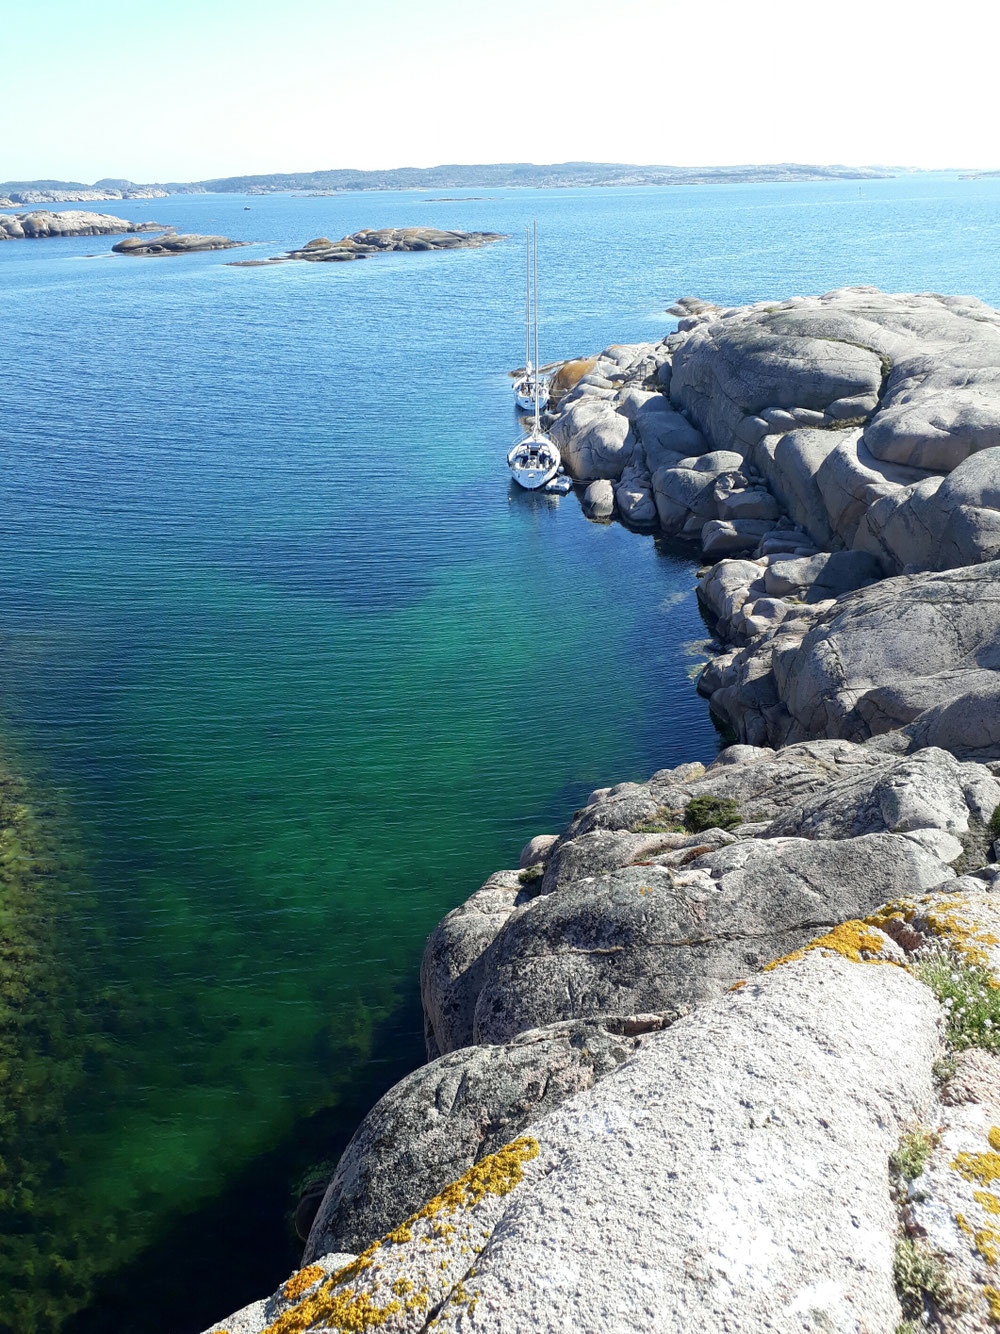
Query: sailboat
x=532 y=379
x=534 y=460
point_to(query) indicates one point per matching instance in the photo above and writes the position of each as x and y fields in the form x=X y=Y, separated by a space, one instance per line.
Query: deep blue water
x=303 y=668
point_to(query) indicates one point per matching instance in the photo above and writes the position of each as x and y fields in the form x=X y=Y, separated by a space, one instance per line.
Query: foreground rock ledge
x=730 y=1176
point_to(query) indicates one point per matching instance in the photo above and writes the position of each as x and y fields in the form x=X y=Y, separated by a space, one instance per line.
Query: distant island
x=560 y=175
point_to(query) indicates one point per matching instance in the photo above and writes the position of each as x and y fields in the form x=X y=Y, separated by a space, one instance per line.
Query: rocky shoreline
x=70 y=222
x=722 y=1054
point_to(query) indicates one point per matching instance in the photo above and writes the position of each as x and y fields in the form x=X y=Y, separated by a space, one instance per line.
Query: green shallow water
x=289 y=671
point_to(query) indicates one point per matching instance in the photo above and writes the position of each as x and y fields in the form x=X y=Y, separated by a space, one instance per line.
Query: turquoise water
x=304 y=670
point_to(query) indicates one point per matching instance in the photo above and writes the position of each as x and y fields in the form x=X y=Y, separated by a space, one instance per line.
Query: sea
x=288 y=668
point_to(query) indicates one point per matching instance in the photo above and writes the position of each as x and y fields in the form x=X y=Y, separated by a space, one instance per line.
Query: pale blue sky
x=192 y=89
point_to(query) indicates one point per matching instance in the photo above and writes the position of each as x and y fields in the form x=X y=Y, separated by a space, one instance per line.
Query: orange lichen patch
x=737 y=985
x=989 y=1203
x=355 y=1312
x=645 y=889
x=568 y=376
x=992 y=1296
x=953 y=920
x=301 y=1282
x=851 y=940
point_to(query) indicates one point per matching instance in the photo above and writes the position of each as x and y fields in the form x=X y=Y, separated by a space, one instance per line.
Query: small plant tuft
x=530 y=874
x=665 y=821
x=922 y=1276
x=914 y=1149
x=970 y=995
x=711 y=813
x=945 y=1068
x=993 y=828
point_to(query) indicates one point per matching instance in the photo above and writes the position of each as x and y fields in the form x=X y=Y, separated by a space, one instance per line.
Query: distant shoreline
x=566 y=175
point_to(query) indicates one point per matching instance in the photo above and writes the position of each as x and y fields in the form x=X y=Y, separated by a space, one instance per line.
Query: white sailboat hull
x=533 y=461
x=524 y=391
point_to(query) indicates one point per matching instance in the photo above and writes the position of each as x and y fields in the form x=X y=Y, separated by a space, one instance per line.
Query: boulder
x=452 y=962
x=665 y=433
x=567 y=377
x=537 y=849
x=825 y=575
x=599 y=500
x=433 y=1125
x=595 y=440
x=688 y=488
x=720 y=537
x=938 y=523
x=655 y=938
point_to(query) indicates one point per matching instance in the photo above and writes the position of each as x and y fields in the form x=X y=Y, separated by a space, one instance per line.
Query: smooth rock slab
x=441 y=1119
x=734 y=1125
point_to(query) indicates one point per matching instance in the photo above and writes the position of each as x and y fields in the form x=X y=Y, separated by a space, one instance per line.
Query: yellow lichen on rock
x=987 y=1241
x=852 y=940
x=354 y=1312
x=301 y=1282
x=986 y=1201
x=992 y=1296
x=981 y=1167
x=350 y=1312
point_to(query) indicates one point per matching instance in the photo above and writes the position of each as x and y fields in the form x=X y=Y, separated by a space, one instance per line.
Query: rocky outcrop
x=813 y=447
x=636 y=913
x=435 y=1124
x=369 y=242
x=826 y=409
x=734 y=1126
x=70 y=222
x=914 y=659
x=173 y=243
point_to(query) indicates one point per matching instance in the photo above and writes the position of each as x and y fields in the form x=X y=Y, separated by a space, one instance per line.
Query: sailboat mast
x=537 y=378
x=527 y=301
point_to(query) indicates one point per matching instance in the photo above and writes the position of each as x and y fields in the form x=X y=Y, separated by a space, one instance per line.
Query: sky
x=203 y=88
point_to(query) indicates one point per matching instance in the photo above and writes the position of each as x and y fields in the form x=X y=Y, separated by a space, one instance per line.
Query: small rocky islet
x=721 y=1054
x=173 y=243
x=360 y=245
